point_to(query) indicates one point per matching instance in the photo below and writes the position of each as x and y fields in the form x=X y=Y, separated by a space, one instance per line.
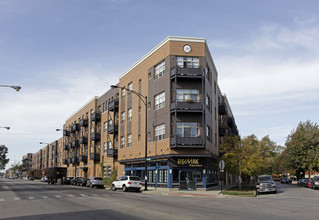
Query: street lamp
x=144 y=100
x=8 y=128
x=17 y=88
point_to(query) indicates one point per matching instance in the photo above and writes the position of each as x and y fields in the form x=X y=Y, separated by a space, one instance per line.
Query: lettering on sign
x=189 y=162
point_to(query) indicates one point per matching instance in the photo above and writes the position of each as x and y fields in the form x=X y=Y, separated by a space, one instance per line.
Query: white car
x=127 y=183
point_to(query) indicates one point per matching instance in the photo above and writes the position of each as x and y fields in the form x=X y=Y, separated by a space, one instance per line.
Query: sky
x=64 y=52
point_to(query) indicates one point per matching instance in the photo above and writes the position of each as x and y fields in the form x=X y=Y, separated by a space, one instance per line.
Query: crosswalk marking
x=83 y=195
x=31 y=197
x=16 y=198
x=69 y=195
x=45 y=197
x=58 y=196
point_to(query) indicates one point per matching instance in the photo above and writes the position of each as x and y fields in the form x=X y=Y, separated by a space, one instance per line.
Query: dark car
x=68 y=180
x=81 y=182
x=266 y=184
x=74 y=181
x=315 y=182
x=304 y=182
x=285 y=180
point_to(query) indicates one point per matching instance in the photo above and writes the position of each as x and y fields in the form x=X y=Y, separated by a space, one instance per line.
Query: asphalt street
x=23 y=199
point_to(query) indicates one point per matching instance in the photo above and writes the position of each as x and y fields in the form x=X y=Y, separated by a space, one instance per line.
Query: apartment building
x=169 y=103
x=26 y=165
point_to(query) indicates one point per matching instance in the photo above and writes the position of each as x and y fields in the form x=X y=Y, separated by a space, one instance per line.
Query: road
x=23 y=199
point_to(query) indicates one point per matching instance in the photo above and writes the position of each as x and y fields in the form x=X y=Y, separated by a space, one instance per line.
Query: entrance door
x=187 y=180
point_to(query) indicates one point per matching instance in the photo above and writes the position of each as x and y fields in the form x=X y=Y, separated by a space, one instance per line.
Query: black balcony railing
x=83 y=158
x=83 y=140
x=187 y=72
x=222 y=109
x=75 y=143
x=95 y=136
x=96 y=116
x=187 y=106
x=70 y=145
x=65 y=147
x=187 y=142
x=74 y=160
x=222 y=131
x=65 y=161
x=94 y=157
x=66 y=133
x=75 y=127
x=113 y=105
x=112 y=152
x=84 y=123
x=230 y=122
x=113 y=129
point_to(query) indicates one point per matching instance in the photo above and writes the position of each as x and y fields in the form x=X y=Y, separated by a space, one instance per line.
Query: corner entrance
x=187 y=179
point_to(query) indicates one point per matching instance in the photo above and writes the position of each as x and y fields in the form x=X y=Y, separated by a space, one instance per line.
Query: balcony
x=94 y=157
x=69 y=161
x=65 y=147
x=95 y=136
x=112 y=152
x=83 y=140
x=112 y=129
x=83 y=158
x=187 y=72
x=222 y=131
x=75 y=127
x=113 y=105
x=187 y=142
x=75 y=143
x=230 y=122
x=222 y=109
x=187 y=106
x=84 y=123
x=74 y=160
x=70 y=145
x=96 y=116
x=66 y=133
x=65 y=161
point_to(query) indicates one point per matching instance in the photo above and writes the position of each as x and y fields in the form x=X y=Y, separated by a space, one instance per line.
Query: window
x=162 y=176
x=208 y=133
x=208 y=102
x=105 y=147
x=107 y=171
x=123 y=93
x=160 y=101
x=160 y=70
x=129 y=140
x=129 y=114
x=149 y=76
x=187 y=129
x=122 y=142
x=105 y=126
x=123 y=117
x=159 y=132
x=187 y=62
x=183 y=95
x=109 y=145
x=130 y=87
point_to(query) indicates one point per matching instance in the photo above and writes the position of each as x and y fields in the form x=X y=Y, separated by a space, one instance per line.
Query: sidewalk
x=214 y=192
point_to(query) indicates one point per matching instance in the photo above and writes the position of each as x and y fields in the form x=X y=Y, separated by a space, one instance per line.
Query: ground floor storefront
x=182 y=173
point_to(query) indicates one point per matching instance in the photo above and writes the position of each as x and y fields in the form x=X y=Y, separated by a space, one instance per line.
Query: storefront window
x=162 y=176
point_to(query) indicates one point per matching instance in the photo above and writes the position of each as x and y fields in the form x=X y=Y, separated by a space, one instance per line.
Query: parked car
x=266 y=184
x=68 y=180
x=95 y=182
x=299 y=182
x=285 y=180
x=81 y=181
x=304 y=182
x=44 y=179
x=30 y=178
x=75 y=180
x=127 y=183
x=315 y=182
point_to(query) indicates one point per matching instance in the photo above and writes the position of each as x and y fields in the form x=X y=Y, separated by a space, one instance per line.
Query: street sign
x=149 y=159
x=221 y=164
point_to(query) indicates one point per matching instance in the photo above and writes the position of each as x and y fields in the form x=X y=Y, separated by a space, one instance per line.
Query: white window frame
x=160 y=101
x=159 y=132
x=106 y=125
x=182 y=95
x=122 y=142
x=129 y=114
x=123 y=93
x=123 y=117
x=187 y=62
x=130 y=87
x=129 y=140
x=160 y=70
x=193 y=126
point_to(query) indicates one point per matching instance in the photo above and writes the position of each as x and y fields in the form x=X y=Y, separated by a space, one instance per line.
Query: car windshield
x=135 y=178
x=264 y=178
x=98 y=178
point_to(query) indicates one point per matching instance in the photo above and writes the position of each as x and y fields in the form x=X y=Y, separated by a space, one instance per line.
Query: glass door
x=187 y=180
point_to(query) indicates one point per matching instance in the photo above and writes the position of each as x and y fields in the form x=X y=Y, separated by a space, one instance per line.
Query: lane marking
x=31 y=197
x=70 y=195
x=58 y=196
x=83 y=195
x=45 y=197
x=16 y=198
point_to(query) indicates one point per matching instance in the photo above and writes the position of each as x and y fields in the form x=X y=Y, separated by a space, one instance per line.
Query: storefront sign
x=190 y=162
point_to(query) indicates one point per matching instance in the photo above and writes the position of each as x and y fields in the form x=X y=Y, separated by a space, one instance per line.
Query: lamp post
x=144 y=100
x=8 y=128
x=17 y=88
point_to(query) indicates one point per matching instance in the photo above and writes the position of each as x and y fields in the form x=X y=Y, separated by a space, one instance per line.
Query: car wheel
x=113 y=188
x=124 y=188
